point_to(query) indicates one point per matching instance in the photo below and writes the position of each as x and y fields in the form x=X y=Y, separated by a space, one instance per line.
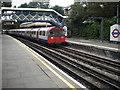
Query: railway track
x=84 y=68
x=108 y=62
x=98 y=62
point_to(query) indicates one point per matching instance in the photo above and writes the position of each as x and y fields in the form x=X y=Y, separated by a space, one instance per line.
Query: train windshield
x=56 y=33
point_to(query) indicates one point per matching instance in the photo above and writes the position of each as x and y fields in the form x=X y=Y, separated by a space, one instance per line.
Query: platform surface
x=20 y=69
x=96 y=43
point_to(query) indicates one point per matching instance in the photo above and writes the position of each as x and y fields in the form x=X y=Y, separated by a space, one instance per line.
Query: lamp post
x=101 y=35
x=117 y=14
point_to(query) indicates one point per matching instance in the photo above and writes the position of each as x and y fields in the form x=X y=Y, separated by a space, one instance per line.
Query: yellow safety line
x=94 y=45
x=65 y=81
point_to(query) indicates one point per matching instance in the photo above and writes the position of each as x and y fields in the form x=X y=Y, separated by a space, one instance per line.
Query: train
x=46 y=34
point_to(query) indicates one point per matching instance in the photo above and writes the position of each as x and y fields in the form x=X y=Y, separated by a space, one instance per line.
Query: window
x=56 y=33
x=43 y=33
x=34 y=32
x=51 y=33
x=40 y=33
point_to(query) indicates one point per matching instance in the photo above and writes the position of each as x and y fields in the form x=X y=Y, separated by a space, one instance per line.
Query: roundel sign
x=115 y=33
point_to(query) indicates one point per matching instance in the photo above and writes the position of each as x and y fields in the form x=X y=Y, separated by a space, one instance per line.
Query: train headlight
x=62 y=37
x=51 y=37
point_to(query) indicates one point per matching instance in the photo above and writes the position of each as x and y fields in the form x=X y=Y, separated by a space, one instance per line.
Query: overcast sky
x=52 y=2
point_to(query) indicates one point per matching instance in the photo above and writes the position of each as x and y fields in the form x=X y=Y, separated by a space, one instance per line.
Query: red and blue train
x=51 y=34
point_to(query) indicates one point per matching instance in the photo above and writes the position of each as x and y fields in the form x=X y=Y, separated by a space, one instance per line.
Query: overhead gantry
x=32 y=15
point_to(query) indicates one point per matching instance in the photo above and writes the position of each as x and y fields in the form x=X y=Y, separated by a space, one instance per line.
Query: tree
x=99 y=9
x=6 y=4
x=76 y=19
x=58 y=9
x=78 y=14
x=25 y=5
x=34 y=5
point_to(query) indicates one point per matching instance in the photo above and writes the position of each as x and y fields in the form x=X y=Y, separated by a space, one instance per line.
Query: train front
x=56 y=35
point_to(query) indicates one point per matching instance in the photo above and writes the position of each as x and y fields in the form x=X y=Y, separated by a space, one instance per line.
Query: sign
x=115 y=32
x=8 y=23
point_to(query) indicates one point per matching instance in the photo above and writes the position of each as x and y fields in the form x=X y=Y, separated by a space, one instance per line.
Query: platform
x=105 y=49
x=23 y=68
x=96 y=43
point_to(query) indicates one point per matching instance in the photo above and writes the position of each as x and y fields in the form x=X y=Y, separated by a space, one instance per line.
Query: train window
x=34 y=32
x=56 y=33
x=40 y=33
x=43 y=33
x=60 y=32
x=51 y=32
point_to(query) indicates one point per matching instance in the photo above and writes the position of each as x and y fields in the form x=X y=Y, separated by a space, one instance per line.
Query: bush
x=93 y=31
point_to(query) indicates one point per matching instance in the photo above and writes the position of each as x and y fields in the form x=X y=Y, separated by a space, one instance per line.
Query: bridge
x=32 y=15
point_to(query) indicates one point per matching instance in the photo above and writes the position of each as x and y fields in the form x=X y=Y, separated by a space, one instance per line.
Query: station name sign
x=115 y=32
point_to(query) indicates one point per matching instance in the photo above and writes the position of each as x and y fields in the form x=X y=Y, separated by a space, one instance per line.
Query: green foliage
x=107 y=23
x=80 y=14
x=25 y=5
x=34 y=5
x=6 y=4
x=91 y=31
x=58 y=9
x=100 y=9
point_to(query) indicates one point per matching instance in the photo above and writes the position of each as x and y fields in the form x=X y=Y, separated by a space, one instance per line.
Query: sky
x=52 y=2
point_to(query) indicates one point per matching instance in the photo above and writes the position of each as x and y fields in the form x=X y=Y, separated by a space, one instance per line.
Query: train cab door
x=31 y=33
x=37 y=34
